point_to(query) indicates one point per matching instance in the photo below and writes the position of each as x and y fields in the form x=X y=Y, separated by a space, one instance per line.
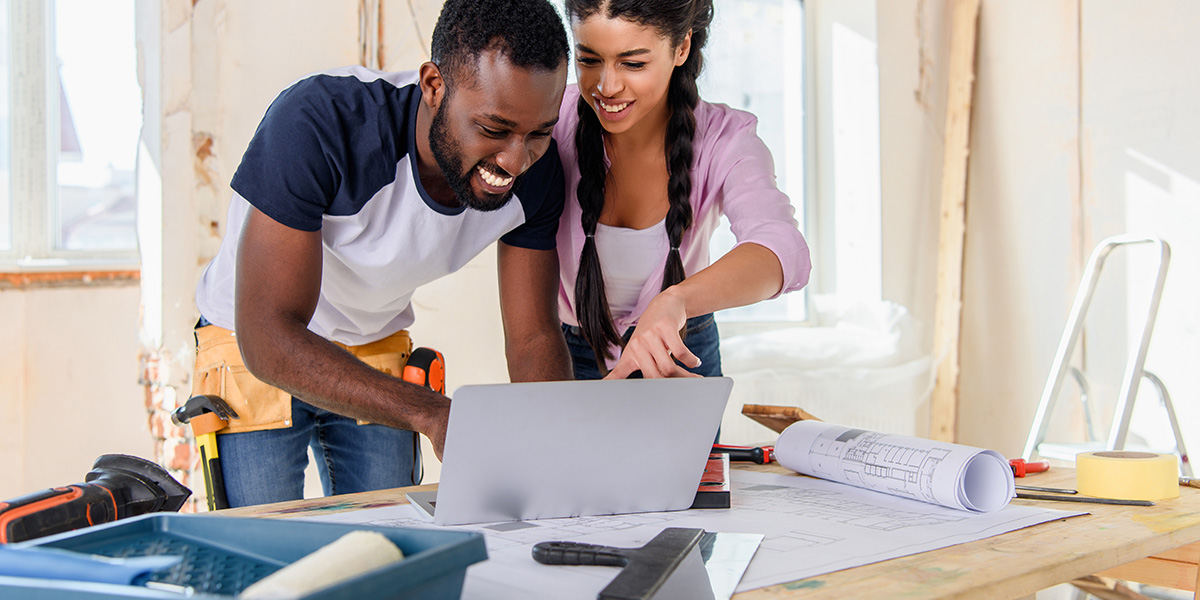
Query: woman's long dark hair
x=674 y=19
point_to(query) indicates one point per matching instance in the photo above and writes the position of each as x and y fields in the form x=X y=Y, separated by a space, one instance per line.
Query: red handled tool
x=761 y=454
x=1020 y=466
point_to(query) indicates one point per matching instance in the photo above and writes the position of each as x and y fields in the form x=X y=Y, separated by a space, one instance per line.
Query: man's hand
x=656 y=344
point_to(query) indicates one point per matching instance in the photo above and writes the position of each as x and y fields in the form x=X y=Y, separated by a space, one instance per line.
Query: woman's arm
x=771 y=256
x=747 y=274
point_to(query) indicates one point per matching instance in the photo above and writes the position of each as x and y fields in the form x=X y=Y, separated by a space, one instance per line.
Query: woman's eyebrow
x=625 y=54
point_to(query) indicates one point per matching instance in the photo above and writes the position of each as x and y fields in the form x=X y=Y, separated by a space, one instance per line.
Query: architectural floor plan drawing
x=810 y=527
x=942 y=473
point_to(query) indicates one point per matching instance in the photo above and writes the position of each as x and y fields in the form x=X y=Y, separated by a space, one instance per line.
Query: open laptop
x=524 y=451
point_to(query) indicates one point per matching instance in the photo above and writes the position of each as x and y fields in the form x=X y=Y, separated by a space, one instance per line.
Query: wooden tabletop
x=1011 y=565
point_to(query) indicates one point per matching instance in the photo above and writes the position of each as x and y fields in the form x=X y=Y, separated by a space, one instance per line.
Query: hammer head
x=199 y=405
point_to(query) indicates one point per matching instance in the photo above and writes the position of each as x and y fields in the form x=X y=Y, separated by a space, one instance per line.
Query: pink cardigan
x=732 y=174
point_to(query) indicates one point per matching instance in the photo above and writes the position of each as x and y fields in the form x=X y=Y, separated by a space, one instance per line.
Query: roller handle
x=574 y=554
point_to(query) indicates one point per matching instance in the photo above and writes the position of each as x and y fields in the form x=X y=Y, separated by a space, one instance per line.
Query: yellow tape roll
x=1127 y=475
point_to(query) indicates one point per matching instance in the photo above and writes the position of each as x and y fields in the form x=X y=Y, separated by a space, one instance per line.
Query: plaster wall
x=1080 y=130
x=71 y=393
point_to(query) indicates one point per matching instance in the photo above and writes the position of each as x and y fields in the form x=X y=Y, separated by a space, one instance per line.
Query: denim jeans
x=266 y=466
x=702 y=339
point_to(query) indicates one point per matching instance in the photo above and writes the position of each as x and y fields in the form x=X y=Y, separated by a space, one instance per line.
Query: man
x=357 y=188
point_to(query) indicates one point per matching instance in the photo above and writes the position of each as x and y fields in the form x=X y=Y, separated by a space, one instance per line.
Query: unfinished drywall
x=1020 y=259
x=1140 y=142
x=1081 y=129
x=69 y=363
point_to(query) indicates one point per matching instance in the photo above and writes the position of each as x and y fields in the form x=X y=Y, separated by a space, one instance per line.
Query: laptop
x=523 y=451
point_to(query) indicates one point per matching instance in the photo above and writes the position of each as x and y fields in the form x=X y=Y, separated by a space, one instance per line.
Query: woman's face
x=624 y=70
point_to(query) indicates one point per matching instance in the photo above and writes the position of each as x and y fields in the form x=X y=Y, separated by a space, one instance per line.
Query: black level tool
x=644 y=570
x=118 y=486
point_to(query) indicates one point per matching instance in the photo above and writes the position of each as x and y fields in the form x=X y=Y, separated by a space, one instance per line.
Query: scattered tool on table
x=755 y=454
x=207 y=415
x=776 y=418
x=1085 y=499
x=1189 y=482
x=118 y=486
x=1022 y=467
x=667 y=567
x=1032 y=488
x=714 y=491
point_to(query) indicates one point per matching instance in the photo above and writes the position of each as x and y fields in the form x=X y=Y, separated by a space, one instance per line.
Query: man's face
x=493 y=127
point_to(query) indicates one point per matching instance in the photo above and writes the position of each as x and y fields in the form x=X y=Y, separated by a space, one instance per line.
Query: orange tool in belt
x=426 y=367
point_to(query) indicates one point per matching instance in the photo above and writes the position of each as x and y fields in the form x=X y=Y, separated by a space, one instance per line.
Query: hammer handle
x=571 y=553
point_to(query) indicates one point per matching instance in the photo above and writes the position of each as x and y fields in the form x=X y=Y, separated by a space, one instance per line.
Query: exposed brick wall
x=174 y=446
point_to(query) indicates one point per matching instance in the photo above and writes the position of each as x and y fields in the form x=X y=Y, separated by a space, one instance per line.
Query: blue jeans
x=702 y=339
x=266 y=466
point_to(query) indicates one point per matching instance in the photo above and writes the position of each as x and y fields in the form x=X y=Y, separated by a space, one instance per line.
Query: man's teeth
x=613 y=108
x=494 y=180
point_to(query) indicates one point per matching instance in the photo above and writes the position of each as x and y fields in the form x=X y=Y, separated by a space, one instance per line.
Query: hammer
x=207 y=415
x=645 y=571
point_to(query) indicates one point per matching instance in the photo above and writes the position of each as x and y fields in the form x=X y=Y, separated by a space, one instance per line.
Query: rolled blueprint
x=942 y=473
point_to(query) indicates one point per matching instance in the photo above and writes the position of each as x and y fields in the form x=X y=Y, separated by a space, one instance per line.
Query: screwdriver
x=761 y=455
x=1020 y=466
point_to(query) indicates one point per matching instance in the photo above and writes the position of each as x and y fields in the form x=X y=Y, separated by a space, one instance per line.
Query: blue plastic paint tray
x=224 y=555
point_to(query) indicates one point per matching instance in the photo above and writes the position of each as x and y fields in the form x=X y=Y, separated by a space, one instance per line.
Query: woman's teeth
x=493 y=180
x=613 y=108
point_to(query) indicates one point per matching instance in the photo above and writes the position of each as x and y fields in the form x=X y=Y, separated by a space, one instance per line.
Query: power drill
x=118 y=486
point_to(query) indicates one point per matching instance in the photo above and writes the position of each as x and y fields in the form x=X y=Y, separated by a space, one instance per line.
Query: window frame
x=34 y=125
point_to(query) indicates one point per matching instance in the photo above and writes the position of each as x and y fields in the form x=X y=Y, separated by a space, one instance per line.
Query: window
x=754 y=61
x=72 y=119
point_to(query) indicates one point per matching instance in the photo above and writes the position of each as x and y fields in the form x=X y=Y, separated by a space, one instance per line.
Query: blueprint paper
x=942 y=473
x=811 y=527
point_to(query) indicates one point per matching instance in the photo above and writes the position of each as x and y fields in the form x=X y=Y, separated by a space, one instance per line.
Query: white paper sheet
x=942 y=473
x=810 y=526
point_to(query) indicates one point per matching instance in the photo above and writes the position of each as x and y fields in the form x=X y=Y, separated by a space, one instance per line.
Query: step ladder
x=1134 y=371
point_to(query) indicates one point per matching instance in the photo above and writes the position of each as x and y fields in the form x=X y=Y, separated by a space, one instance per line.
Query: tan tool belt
x=220 y=371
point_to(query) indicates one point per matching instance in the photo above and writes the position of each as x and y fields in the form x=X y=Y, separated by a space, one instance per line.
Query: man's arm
x=278 y=285
x=533 y=340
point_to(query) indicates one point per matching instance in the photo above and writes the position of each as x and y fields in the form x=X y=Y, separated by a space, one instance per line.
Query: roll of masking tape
x=1127 y=475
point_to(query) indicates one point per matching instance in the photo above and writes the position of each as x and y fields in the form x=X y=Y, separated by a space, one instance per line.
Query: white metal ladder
x=1134 y=370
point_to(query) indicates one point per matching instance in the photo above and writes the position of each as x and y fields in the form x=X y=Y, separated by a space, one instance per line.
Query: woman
x=650 y=168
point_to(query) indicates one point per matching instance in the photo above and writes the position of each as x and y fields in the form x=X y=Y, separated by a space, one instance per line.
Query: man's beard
x=447 y=154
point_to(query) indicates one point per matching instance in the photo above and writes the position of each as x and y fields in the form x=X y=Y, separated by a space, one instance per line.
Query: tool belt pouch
x=221 y=372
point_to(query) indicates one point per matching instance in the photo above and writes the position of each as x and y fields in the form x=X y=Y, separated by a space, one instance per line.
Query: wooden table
x=1111 y=541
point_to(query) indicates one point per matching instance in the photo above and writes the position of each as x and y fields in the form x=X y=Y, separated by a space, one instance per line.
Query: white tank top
x=629 y=257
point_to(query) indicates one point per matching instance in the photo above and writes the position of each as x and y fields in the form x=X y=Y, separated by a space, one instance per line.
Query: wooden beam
x=952 y=230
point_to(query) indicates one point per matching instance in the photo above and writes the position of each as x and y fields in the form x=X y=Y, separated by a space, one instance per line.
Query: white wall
x=69 y=363
x=1081 y=128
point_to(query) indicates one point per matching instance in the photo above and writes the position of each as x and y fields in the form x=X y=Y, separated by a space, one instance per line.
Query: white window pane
x=754 y=61
x=100 y=117
x=5 y=135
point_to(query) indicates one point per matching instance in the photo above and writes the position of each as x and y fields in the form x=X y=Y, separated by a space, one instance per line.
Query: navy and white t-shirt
x=336 y=153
